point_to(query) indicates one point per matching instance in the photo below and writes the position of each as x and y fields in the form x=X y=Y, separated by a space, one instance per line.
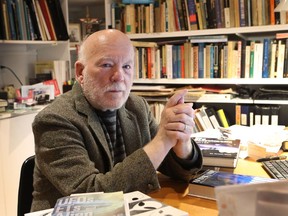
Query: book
x=223 y=118
x=205 y=184
x=214 y=118
x=199 y=121
x=265 y=198
x=219 y=152
x=132 y=203
x=192 y=14
x=112 y=203
x=274 y=114
x=58 y=20
x=141 y=204
x=36 y=35
x=3 y=103
x=48 y=19
x=205 y=118
x=245 y=120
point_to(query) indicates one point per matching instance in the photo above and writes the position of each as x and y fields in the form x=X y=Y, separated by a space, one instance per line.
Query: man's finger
x=177 y=98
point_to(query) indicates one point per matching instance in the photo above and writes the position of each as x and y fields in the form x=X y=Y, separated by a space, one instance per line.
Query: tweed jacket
x=73 y=156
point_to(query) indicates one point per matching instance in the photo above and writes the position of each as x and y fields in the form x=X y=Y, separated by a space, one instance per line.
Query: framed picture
x=89 y=27
x=74 y=34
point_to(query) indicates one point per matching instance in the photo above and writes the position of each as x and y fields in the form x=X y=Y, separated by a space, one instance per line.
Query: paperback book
x=204 y=185
x=141 y=204
x=92 y=204
x=219 y=152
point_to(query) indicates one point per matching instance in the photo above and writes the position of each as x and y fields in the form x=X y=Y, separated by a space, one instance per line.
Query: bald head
x=105 y=69
x=103 y=40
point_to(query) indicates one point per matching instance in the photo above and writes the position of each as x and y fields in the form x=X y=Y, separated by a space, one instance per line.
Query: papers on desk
x=258 y=199
x=261 y=140
x=46 y=212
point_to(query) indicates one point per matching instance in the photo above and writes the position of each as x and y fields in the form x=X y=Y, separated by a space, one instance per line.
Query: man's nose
x=118 y=75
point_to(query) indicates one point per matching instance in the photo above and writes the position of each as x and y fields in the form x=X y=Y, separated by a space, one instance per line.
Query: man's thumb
x=177 y=98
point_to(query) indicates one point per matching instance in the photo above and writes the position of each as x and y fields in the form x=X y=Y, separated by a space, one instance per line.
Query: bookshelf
x=20 y=55
x=246 y=32
x=17 y=142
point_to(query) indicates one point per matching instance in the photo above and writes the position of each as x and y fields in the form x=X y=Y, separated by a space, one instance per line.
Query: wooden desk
x=174 y=193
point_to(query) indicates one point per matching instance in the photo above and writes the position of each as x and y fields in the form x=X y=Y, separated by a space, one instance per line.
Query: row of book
x=180 y=15
x=32 y=20
x=248 y=115
x=203 y=58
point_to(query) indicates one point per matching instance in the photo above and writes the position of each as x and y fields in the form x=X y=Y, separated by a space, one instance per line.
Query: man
x=99 y=137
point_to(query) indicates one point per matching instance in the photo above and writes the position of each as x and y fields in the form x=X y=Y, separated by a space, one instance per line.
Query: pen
x=272 y=158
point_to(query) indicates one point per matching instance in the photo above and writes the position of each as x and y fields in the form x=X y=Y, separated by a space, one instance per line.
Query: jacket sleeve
x=172 y=165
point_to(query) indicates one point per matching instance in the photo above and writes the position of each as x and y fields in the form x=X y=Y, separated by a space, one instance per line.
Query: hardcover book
x=204 y=185
x=92 y=204
x=219 y=152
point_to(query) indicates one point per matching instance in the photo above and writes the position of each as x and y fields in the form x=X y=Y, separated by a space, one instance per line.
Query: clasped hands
x=177 y=121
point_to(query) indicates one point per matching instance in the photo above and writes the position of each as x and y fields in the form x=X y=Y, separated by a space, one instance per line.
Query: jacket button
x=150 y=186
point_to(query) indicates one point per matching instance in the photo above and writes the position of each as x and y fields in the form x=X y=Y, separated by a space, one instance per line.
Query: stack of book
x=3 y=105
x=219 y=152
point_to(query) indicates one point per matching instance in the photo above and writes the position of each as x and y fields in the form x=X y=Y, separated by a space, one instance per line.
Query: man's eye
x=106 y=65
x=127 y=66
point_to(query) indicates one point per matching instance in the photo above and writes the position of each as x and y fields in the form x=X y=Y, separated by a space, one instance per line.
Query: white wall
x=17 y=143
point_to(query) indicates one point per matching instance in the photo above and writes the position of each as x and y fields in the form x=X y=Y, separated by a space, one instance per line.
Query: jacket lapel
x=82 y=106
x=130 y=129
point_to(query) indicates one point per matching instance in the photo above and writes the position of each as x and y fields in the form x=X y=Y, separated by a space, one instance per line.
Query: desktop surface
x=174 y=193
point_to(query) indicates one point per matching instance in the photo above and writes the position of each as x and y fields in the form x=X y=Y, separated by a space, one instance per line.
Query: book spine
x=223 y=118
x=227 y=13
x=265 y=70
x=11 y=20
x=191 y=5
x=238 y=114
x=244 y=115
x=201 y=60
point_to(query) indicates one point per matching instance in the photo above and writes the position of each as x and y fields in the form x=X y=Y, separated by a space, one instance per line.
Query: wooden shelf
x=217 y=81
x=246 y=32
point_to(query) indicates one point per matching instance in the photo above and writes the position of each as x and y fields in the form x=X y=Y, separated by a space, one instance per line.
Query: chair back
x=26 y=186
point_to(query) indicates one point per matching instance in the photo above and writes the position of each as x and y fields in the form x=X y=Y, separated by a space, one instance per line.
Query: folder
x=211 y=113
x=223 y=118
x=199 y=121
x=238 y=114
x=265 y=115
x=257 y=115
x=251 y=115
x=245 y=115
x=274 y=110
x=206 y=118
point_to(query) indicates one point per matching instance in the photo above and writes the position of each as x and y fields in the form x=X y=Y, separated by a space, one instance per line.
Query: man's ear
x=79 y=67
